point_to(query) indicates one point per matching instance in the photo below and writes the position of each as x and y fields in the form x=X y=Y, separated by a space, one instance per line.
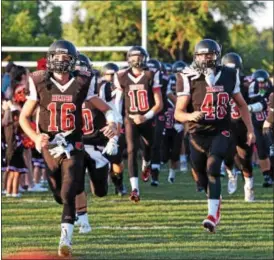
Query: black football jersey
x=164 y=83
x=254 y=96
x=60 y=106
x=93 y=121
x=171 y=87
x=213 y=101
x=138 y=90
x=235 y=112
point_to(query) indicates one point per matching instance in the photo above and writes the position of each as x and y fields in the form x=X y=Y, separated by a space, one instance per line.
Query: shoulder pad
x=38 y=76
x=84 y=73
x=122 y=72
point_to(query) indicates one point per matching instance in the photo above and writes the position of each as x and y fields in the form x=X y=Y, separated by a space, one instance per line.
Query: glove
x=60 y=149
x=60 y=139
x=112 y=146
x=178 y=127
x=191 y=72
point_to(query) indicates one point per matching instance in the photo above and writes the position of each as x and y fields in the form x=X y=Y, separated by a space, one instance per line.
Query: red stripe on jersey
x=156 y=89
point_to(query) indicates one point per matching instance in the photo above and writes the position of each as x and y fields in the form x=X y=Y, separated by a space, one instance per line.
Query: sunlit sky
x=262 y=20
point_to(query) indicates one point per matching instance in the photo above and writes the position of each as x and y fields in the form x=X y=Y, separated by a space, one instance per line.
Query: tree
x=22 y=25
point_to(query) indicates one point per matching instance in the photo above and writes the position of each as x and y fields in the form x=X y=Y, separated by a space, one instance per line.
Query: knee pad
x=214 y=165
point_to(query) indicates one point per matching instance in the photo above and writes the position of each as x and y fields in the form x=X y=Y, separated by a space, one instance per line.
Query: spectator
x=6 y=77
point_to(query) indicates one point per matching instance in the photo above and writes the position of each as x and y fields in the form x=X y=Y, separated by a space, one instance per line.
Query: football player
x=159 y=125
x=60 y=92
x=239 y=134
x=258 y=94
x=203 y=93
x=141 y=91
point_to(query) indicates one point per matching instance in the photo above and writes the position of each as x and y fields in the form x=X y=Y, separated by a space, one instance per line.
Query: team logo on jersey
x=79 y=146
x=215 y=89
x=225 y=133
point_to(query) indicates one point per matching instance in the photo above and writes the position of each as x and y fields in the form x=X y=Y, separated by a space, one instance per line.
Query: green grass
x=166 y=224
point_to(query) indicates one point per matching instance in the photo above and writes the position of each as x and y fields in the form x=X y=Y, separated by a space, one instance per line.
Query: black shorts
x=172 y=142
x=204 y=146
x=261 y=143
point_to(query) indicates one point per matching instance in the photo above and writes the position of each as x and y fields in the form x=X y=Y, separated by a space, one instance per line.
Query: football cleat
x=120 y=191
x=267 y=181
x=249 y=194
x=65 y=248
x=232 y=183
x=146 y=174
x=154 y=177
x=134 y=196
x=209 y=224
x=84 y=228
x=170 y=180
x=183 y=166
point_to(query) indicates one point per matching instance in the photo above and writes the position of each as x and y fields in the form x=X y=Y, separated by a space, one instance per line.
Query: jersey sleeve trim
x=32 y=90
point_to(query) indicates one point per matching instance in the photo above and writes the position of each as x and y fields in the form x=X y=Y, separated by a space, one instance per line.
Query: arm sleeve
x=237 y=84
x=182 y=85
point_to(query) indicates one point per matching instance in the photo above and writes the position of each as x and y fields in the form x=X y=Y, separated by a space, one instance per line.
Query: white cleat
x=183 y=167
x=170 y=180
x=232 y=184
x=65 y=248
x=84 y=228
x=249 y=194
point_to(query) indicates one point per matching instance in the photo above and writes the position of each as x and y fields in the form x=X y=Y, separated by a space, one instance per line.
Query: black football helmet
x=178 y=66
x=83 y=61
x=203 y=47
x=109 y=68
x=163 y=68
x=168 y=67
x=61 y=47
x=137 y=51
x=260 y=76
x=232 y=60
x=153 y=65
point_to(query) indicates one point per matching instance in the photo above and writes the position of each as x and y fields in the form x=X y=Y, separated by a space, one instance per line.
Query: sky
x=261 y=21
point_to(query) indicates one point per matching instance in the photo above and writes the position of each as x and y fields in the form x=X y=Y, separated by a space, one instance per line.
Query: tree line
x=173 y=28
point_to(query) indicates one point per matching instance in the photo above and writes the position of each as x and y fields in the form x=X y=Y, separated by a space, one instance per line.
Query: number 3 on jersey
x=67 y=119
x=211 y=110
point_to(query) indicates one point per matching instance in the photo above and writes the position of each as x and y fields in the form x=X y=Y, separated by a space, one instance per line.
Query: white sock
x=249 y=182
x=183 y=158
x=134 y=183
x=145 y=164
x=83 y=218
x=213 y=205
x=67 y=230
x=171 y=174
x=155 y=166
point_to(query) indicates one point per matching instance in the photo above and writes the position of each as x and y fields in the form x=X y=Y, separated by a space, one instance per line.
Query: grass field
x=166 y=224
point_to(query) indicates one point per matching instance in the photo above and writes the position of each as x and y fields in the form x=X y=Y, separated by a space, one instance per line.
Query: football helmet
x=61 y=47
x=232 y=60
x=207 y=46
x=168 y=67
x=260 y=76
x=153 y=65
x=110 y=68
x=141 y=53
x=83 y=61
x=178 y=66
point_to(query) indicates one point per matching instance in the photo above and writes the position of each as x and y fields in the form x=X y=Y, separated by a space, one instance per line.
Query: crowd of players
x=68 y=119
